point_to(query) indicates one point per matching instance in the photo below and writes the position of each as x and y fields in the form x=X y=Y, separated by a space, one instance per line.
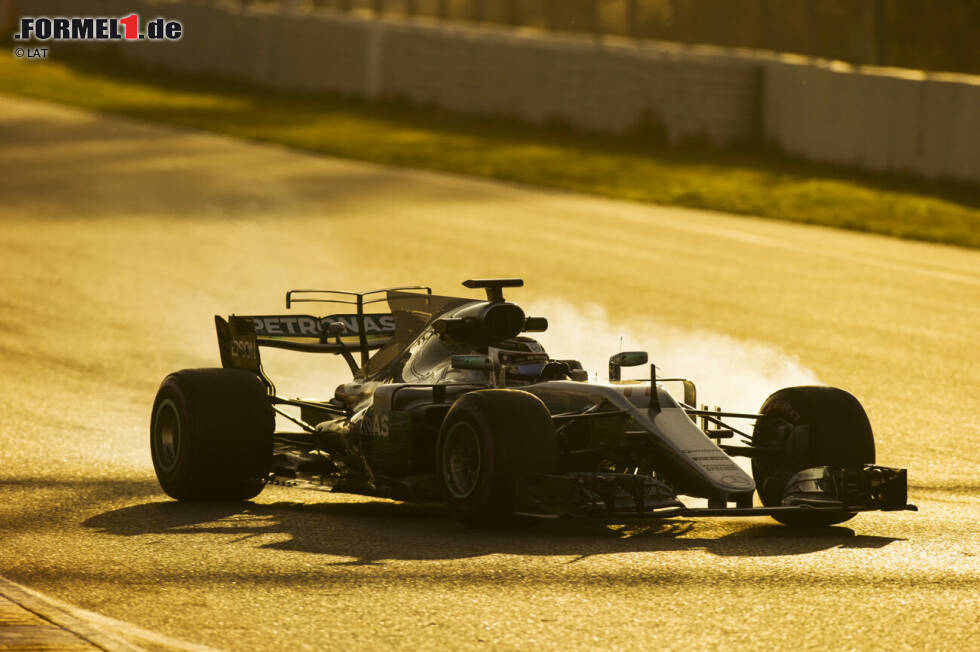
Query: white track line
x=104 y=632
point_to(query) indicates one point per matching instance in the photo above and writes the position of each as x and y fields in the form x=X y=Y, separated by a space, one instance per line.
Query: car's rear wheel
x=487 y=439
x=810 y=426
x=211 y=434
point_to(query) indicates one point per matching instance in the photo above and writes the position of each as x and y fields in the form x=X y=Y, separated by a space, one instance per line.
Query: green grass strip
x=638 y=167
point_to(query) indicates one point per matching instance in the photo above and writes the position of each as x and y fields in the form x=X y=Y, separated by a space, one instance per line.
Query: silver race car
x=451 y=400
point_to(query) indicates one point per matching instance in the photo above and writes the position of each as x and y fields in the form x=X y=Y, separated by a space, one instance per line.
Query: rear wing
x=240 y=336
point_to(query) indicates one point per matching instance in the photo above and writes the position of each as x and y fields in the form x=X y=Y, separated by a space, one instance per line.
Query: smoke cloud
x=734 y=374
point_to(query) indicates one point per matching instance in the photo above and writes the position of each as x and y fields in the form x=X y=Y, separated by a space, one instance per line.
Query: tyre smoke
x=734 y=374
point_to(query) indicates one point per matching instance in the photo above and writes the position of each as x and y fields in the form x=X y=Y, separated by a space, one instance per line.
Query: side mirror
x=472 y=362
x=625 y=359
x=578 y=375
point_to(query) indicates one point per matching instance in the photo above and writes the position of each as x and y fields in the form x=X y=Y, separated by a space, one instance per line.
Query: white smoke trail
x=734 y=374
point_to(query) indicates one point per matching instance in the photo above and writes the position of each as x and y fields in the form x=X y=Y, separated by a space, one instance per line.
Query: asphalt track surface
x=119 y=241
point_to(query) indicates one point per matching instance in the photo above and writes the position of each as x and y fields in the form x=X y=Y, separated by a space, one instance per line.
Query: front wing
x=821 y=489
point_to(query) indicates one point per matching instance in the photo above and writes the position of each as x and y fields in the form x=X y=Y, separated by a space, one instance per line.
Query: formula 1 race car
x=457 y=404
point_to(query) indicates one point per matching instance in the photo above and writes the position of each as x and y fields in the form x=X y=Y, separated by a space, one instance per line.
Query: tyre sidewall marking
x=158 y=441
x=472 y=415
x=477 y=441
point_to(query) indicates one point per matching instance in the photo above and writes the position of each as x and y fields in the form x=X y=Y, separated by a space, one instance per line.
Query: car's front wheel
x=211 y=434
x=809 y=427
x=487 y=439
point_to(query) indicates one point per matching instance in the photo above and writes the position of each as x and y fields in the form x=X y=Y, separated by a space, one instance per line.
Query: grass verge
x=637 y=167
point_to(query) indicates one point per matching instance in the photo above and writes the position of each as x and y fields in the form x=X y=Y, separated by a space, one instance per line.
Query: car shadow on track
x=373 y=531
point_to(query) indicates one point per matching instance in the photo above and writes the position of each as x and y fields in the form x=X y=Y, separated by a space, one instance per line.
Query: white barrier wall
x=608 y=87
x=886 y=120
x=882 y=120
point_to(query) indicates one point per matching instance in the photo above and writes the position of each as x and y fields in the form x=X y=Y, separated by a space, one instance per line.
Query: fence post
x=477 y=12
x=596 y=19
x=378 y=6
x=762 y=33
x=514 y=12
x=443 y=9
x=881 y=44
x=812 y=44
x=675 y=24
x=411 y=7
x=632 y=26
x=551 y=15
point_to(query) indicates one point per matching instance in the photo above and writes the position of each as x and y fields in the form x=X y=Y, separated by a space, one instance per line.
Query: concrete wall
x=609 y=88
x=881 y=119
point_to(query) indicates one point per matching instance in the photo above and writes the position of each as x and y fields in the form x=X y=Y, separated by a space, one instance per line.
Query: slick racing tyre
x=838 y=434
x=211 y=434
x=487 y=439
